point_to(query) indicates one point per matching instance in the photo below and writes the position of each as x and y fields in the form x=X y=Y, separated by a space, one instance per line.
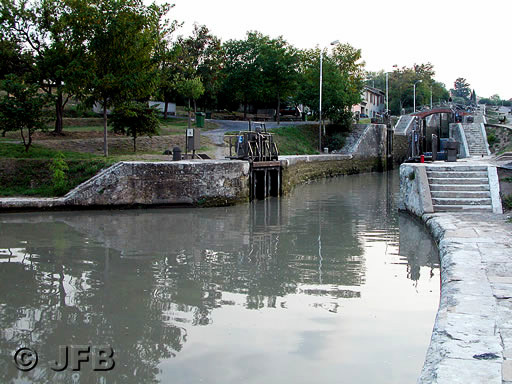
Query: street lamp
x=387 y=89
x=320 y=103
x=419 y=81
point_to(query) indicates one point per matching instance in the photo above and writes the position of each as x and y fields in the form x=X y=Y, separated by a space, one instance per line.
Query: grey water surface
x=327 y=285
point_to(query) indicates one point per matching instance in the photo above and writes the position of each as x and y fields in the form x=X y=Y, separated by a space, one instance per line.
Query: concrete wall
x=204 y=182
x=301 y=169
x=192 y=182
x=457 y=133
x=368 y=155
x=415 y=194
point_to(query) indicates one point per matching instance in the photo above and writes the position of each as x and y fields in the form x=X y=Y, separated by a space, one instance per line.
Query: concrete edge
x=424 y=188
x=461 y=272
x=484 y=136
x=360 y=140
x=464 y=140
x=494 y=186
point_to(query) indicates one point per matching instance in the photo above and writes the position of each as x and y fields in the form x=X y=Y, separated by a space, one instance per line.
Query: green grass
x=17 y=151
x=293 y=140
x=33 y=177
x=29 y=174
x=297 y=140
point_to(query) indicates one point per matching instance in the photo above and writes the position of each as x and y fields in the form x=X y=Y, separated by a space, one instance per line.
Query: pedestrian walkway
x=472 y=336
x=476 y=139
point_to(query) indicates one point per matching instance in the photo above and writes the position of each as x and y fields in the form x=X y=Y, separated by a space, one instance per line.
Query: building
x=372 y=104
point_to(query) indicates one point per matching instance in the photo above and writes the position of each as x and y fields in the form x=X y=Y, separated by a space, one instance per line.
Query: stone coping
x=472 y=335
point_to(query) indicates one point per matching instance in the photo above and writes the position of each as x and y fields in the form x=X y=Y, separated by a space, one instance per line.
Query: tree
x=135 y=119
x=124 y=37
x=22 y=108
x=202 y=56
x=401 y=87
x=44 y=29
x=473 y=97
x=242 y=70
x=461 y=88
x=279 y=64
x=191 y=89
x=342 y=82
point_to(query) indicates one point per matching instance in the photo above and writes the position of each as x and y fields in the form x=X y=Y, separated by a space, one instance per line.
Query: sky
x=461 y=38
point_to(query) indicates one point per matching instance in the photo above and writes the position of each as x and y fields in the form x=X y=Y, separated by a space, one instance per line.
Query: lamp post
x=387 y=89
x=419 y=81
x=320 y=101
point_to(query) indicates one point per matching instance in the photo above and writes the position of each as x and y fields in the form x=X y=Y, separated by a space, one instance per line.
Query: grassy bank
x=30 y=173
x=297 y=140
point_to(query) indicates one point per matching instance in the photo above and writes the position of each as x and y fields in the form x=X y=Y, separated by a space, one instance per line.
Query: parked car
x=289 y=111
x=363 y=116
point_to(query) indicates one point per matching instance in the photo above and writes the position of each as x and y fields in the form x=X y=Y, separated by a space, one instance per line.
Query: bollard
x=176 y=154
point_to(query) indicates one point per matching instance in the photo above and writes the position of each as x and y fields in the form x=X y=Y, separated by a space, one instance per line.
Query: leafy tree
x=244 y=78
x=124 y=38
x=461 y=88
x=342 y=82
x=168 y=70
x=22 y=108
x=279 y=63
x=202 y=56
x=44 y=29
x=401 y=87
x=191 y=89
x=135 y=119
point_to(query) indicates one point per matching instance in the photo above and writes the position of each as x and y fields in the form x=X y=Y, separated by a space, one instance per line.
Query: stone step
x=457 y=168
x=460 y=180
x=460 y=201
x=461 y=194
x=455 y=174
x=466 y=208
x=459 y=187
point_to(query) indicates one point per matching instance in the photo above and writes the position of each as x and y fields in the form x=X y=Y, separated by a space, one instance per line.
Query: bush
x=336 y=141
x=59 y=177
x=491 y=138
x=507 y=202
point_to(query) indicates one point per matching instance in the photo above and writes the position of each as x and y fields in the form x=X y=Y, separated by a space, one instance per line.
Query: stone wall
x=302 y=169
x=368 y=155
x=414 y=189
x=192 y=182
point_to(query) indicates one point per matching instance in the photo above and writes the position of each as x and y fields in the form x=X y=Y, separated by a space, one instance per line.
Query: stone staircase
x=477 y=144
x=403 y=124
x=459 y=188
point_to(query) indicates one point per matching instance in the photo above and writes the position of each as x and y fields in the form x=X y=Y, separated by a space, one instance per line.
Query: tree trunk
x=245 y=109
x=195 y=107
x=278 y=108
x=25 y=142
x=59 y=111
x=105 y=143
x=134 y=141
x=166 y=108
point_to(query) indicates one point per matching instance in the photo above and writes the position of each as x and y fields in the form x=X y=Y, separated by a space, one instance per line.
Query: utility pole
x=320 y=108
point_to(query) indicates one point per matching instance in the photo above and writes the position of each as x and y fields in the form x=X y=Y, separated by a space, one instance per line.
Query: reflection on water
x=330 y=284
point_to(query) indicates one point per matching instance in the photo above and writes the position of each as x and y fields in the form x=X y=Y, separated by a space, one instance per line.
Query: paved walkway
x=472 y=336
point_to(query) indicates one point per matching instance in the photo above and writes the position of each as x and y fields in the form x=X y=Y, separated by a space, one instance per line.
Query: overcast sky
x=462 y=38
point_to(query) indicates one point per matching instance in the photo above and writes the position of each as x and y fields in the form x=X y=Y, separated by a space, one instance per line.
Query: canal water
x=329 y=284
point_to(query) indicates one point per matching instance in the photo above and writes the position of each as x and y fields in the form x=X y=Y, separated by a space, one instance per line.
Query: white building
x=372 y=104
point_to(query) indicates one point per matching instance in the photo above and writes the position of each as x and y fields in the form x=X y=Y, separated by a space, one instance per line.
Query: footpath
x=472 y=336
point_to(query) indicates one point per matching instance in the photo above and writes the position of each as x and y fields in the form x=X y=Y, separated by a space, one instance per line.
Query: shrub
x=507 y=202
x=59 y=177
x=491 y=138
